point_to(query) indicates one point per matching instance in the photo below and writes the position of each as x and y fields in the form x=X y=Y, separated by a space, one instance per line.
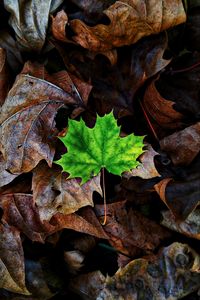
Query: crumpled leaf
x=90 y=149
x=172 y=275
x=11 y=260
x=146 y=169
x=29 y=20
x=161 y=110
x=183 y=146
x=189 y=227
x=53 y=193
x=19 y=210
x=27 y=126
x=130 y=229
x=130 y=20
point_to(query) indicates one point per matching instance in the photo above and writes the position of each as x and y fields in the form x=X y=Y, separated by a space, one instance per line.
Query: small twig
x=104 y=197
x=172 y=72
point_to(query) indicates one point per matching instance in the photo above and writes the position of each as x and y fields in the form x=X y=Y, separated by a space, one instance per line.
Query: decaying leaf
x=189 y=227
x=130 y=20
x=90 y=149
x=5 y=176
x=53 y=192
x=27 y=126
x=130 y=230
x=4 y=76
x=172 y=274
x=12 y=272
x=29 y=20
x=183 y=146
x=146 y=169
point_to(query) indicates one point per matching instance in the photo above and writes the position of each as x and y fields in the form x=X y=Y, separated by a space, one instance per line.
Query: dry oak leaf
x=130 y=20
x=54 y=193
x=146 y=169
x=161 y=110
x=189 y=227
x=183 y=146
x=27 y=126
x=12 y=271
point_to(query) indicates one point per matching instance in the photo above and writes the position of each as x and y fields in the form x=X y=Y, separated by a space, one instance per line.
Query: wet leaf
x=12 y=271
x=129 y=22
x=53 y=192
x=27 y=126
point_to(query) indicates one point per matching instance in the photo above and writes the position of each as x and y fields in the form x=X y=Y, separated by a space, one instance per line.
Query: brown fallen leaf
x=85 y=223
x=59 y=23
x=130 y=20
x=146 y=169
x=4 y=76
x=189 y=227
x=173 y=274
x=161 y=110
x=12 y=272
x=181 y=197
x=27 y=126
x=130 y=231
x=54 y=193
x=183 y=146
x=19 y=211
x=29 y=21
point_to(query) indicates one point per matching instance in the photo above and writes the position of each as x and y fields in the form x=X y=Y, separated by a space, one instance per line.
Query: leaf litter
x=92 y=85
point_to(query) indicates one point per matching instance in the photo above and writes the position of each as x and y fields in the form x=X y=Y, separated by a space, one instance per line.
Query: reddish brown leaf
x=11 y=260
x=161 y=188
x=161 y=110
x=78 y=223
x=59 y=23
x=20 y=211
x=147 y=168
x=27 y=126
x=130 y=20
x=183 y=146
x=127 y=230
x=53 y=193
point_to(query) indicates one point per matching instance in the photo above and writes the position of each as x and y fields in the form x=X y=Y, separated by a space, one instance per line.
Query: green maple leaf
x=90 y=149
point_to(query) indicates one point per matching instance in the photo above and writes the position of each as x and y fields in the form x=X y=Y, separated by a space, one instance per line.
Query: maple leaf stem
x=104 y=196
x=148 y=121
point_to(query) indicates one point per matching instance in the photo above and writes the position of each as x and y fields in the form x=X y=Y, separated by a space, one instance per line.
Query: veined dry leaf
x=173 y=274
x=146 y=169
x=19 y=210
x=29 y=20
x=129 y=231
x=85 y=223
x=189 y=227
x=4 y=76
x=54 y=193
x=12 y=273
x=161 y=110
x=5 y=176
x=130 y=20
x=27 y=126
x=183 y=146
